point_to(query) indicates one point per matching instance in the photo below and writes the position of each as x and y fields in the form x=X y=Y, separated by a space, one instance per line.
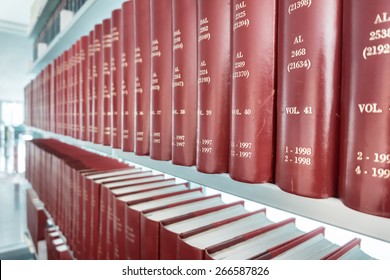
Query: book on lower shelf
x=106 y=209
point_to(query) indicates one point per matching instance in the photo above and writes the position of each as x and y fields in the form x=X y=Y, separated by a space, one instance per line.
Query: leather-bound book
x=184 y=81
x=252 y=142
x=64 y=93
x=76 y=92
x=69 y=93
x=161 y=83
x=90 y=91
x=309 y=76
x=116 y=79
x=97 y=88
x=142 y=60
x=128 y=76
x=84 y=88
x=365 y=108
x=214 y=85
x=107 y=108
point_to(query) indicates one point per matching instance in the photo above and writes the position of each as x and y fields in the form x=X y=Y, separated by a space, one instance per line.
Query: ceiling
x=16 y=11
x=15 y=48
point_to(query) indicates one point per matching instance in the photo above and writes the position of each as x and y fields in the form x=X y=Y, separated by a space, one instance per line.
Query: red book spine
x=169 y=239
x=84 y=88
x=57 y=105
x=103 y=213
x=96 y=193
x=278 y=250
x=161 y=84
x=214 y=60
x=107 y=110
x=70 y=101
x=97 y=88
x=48 y=71
x=53 y=101
x=61 y=94
x=90 y=91
x=76 y=94
x=116 y=79
x=142 y=76
x=79 y=219
x=184 y=83
x=364 y=183
x=253 y=91
x=309 y=68
x=127 y=23
x=87 y=218
x=119 y=230
x=65 y=92
x=132 y=239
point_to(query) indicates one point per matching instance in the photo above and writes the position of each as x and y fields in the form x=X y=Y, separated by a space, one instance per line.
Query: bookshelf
x=43 y=17
x=83 y=21
x=329 y=211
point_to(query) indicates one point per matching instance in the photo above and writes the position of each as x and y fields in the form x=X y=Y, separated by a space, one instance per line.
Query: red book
x=170 y=229
x=128 y=76
x=94 y=208
x=119 y=209
x=349 y=251
x=309 y=68
x=84 y=88
x=133 y=216
x=149 y=183
x=104 y=208
x=343 y=249
x=90 y=213
x=161 y=84
x=142 y=76
x=151 y=220
x=193 y=244
x=279 y=250
x=64 y=93
x=53 y=96
x=48 y=96
x=214 y=84
x=97 y=86
x=91 y=90
x=116 y=79
x=107 y=109
x=253 y=91
x=184 y=82
x=70 y=92
x=250 y=244
x=77 y=110
x=365 y=108
x=58 y=98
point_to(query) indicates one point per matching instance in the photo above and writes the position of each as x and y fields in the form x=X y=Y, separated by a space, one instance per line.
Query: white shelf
x=91 y=13
x=43 y=17
x=329 y=211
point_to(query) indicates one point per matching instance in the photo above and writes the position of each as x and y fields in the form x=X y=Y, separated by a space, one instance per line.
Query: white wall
x=15 y=52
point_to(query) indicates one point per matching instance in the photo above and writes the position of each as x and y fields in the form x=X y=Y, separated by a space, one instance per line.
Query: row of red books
x=201 y=91
x=124 y=212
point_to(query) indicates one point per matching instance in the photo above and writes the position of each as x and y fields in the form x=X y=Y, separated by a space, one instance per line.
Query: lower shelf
x=329 y=211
